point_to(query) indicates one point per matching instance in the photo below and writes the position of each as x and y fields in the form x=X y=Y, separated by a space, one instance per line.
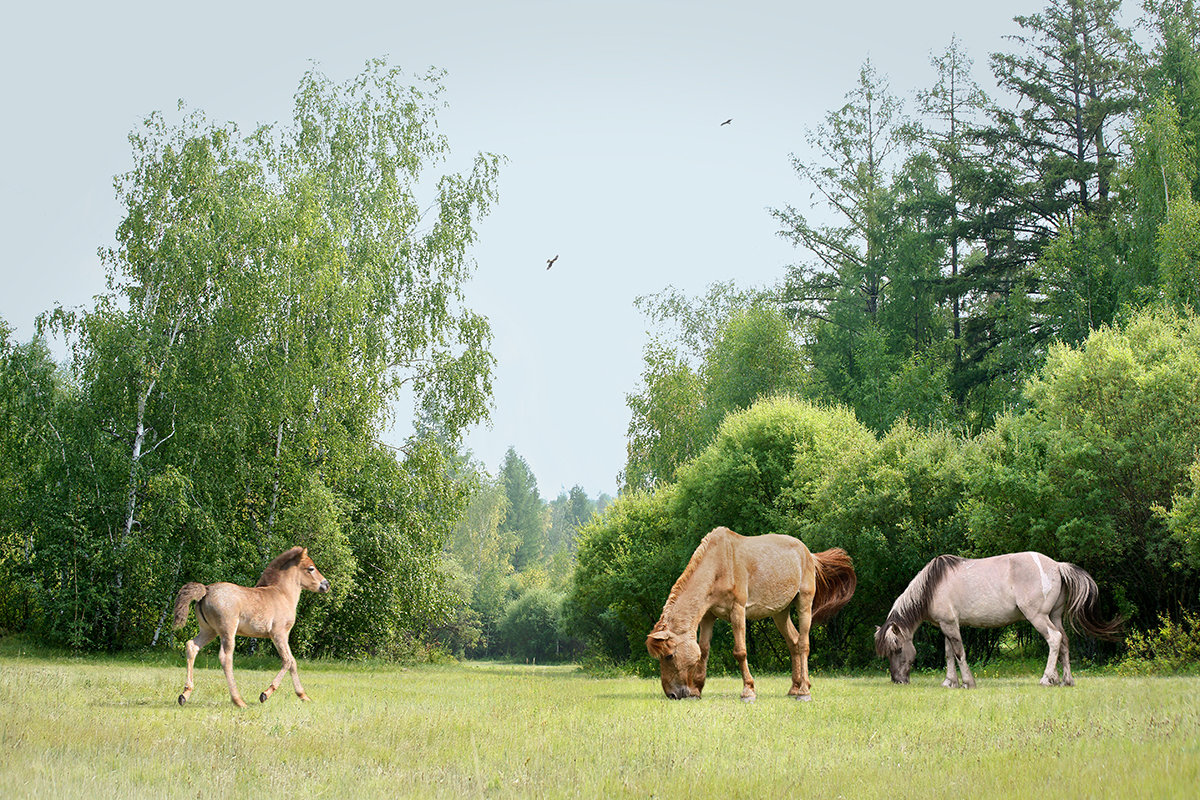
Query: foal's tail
x=1082 y=603
x=836 y=582
x=190 y=593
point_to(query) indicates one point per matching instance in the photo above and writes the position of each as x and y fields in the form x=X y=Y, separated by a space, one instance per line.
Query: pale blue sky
x=608 y=113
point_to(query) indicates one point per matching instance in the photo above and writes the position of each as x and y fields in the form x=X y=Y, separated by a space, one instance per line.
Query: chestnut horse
x=736 y=578
x=951 y=591
x=266 y=610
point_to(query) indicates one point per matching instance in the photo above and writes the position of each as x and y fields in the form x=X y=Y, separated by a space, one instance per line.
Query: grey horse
x=989 y=593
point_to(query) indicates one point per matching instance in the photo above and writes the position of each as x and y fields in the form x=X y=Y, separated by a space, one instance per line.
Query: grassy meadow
x=110 y=727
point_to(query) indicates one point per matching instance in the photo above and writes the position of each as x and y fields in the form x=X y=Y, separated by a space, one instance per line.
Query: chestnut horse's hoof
x=748 y=698
x=182 y=699
x=803 y=698
x=262 y=698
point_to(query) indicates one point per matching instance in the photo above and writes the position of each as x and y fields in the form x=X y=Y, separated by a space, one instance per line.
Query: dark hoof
x=262 y=698
x=182 y=699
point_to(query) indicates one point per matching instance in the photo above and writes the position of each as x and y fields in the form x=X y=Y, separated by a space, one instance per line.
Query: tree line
x=989 y=344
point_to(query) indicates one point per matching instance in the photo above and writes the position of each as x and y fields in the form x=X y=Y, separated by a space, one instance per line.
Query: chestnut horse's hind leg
x=192 y=648
x=798 y=647
x=737 y=619
x=289 y=665
x=226 y=656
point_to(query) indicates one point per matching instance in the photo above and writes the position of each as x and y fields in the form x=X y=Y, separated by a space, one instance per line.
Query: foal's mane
x=279 y=565
x=692 y=565
x=910 y=607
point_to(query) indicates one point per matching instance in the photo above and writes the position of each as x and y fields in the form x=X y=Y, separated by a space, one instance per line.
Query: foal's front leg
x=737 y=619
x=289 y=664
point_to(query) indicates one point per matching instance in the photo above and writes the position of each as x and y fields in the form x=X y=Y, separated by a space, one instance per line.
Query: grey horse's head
x=894 y=644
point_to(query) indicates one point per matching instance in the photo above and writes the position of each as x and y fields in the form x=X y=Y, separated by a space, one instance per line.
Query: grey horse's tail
x=836 y=582
x=190 y=593
x=1082 y=603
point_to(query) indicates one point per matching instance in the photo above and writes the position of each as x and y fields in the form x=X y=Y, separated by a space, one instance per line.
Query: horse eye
x=312 y=569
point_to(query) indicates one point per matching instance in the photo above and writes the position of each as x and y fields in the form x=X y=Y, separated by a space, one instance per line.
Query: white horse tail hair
x=1083 y=603
x=188 y=594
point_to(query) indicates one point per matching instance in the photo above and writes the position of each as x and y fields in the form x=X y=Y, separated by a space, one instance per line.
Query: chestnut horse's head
x=892 y=643
x=680 y=661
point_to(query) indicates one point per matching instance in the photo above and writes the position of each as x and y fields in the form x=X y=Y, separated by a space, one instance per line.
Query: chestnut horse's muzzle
x=683 y=693
x=324 y=587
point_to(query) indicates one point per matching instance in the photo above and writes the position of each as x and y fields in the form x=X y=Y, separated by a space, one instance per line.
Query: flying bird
x=550 y=262
x=726 y=122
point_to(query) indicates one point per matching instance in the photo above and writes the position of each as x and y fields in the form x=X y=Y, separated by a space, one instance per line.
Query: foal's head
x=679 y=660
x=893 y=644
x=298 y=563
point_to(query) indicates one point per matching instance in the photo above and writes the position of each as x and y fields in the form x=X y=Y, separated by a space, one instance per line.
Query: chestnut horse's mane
x=280 y=564
x=692 y=565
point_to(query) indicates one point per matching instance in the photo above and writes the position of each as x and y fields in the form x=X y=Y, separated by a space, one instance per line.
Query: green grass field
x=111 y=728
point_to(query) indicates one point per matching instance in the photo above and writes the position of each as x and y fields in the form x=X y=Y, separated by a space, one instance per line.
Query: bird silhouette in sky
x=726 y=122
x=550 y=262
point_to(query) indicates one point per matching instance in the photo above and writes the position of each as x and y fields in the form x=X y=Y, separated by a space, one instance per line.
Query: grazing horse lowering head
x=680 y=661
x=898 y=649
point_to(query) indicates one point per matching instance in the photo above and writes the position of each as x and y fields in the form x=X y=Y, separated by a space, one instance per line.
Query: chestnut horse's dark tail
x=1083 y=603
x=836 y=582
x=190 y=593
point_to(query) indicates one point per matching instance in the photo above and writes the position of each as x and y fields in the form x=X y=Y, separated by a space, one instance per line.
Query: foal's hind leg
x=226 y=656
x=192 y=648
x=289 y=664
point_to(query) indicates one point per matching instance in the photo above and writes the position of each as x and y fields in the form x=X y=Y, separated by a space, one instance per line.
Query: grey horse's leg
x=1054 y=639
x=954 y=640
x=1064 y=648
x=951 y=681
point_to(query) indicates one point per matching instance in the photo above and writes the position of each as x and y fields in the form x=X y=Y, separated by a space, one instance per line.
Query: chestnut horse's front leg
x=737 y=618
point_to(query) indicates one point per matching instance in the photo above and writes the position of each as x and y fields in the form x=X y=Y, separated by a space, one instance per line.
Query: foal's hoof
x=182 y=699
x=262 y=698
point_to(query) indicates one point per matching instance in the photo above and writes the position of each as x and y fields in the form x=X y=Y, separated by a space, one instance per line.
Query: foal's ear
x=659 y=644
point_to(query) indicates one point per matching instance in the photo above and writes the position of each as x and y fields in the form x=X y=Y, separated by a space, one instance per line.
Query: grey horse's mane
x=910 y=607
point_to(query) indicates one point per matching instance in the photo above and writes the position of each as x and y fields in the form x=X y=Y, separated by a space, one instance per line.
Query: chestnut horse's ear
x=659 y=644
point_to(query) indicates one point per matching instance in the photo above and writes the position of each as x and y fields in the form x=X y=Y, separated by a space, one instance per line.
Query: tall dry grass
x=111 y=728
